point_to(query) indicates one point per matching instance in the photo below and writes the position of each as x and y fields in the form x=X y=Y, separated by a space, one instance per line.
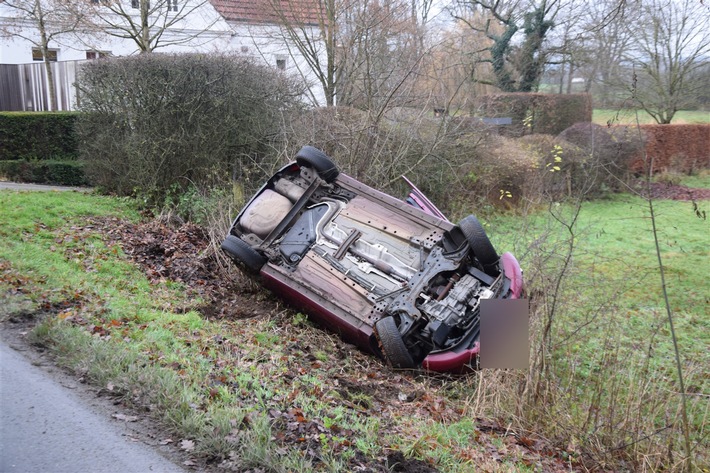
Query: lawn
x=611 y=338
x=629 y=117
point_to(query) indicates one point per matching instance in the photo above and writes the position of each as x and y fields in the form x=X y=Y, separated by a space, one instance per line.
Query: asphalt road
x=46 y=427
x=16 y=186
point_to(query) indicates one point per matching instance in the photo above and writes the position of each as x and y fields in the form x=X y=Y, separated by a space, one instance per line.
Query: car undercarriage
x=395 y=279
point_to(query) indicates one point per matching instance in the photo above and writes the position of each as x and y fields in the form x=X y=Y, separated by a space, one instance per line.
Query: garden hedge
x=682 y=147
x=64 y=173
x=156 y=124
x=38 y=136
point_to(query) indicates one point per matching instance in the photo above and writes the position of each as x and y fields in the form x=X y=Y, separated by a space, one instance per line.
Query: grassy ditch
x=266 y=389
x=269 y=391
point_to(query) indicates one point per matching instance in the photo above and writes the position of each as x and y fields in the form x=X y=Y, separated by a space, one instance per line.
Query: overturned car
x=395 y=278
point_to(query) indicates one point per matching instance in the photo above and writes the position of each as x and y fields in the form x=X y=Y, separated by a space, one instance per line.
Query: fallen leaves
x=187 y=445
x=661 y=190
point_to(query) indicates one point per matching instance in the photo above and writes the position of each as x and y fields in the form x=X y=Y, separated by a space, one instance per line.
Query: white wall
x=214 y=35
x=269 y=43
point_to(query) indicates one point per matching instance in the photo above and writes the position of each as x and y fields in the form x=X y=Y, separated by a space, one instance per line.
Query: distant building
x=243 y=27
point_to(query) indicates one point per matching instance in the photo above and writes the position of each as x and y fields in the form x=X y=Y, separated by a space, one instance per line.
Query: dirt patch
x=662 y=190
x=397 y=462
x=183 y=254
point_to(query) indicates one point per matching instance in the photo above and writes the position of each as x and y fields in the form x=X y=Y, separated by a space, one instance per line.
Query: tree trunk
x=53 y=105
x=44 y=47
x=145 y=28
x=331 y=53
x=562 y=76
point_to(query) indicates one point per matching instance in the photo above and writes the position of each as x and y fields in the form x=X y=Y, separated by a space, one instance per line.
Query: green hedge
x=63 y=173
x=38 y=136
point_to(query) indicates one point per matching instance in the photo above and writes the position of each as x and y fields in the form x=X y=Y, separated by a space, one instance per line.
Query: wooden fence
x=24 y=87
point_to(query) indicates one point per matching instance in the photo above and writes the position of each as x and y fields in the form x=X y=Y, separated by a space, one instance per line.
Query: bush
x=38 y=135
x=155 y=124
x=63 y=173
x=378 y=150
x=609 y=151
x=536 y=113
x=503 y=173
x=562 y=168
x=530 y=170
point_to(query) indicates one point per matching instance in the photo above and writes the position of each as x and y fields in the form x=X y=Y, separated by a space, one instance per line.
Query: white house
x=244 y=27
x=259 y=32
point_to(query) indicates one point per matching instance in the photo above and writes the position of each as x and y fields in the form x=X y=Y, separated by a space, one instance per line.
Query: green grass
x=629 y=117
x=612 y=346
x=700 y=180
x=615 y=260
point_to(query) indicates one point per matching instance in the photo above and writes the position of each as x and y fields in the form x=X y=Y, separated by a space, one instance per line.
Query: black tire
x=393 y=346
x=318 y=160
x=480 y=244
x=241 y=252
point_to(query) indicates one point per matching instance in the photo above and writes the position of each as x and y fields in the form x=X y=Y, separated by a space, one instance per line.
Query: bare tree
x=447 y=72
x=42 y=23
x=312 y=34
x=607 y=39
x=672 y=41
x=382 y=51
x=517 y=65
x=360 y=51
x=153 y=24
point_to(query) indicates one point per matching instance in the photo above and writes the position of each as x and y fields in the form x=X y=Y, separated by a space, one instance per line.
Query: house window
x=51 y=55
x=172 y=5
x=137 y=4
x=281 y=64
x=96 y=54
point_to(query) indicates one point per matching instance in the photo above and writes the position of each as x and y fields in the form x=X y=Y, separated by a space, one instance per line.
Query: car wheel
x=318 y=160
x=393 y=346
x=241 y=252
x=478 y=241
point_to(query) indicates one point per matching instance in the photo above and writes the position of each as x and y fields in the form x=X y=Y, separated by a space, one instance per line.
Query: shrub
x=609 y=151
x=536 y=113
x=516 y=172
x=38 y=135
x=502 y=173
x=63 y=173
x=154 y=124
x=378 y=150
x=561 y=168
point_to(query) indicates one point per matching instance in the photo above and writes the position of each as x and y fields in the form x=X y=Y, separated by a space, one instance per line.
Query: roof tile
x=269 y=11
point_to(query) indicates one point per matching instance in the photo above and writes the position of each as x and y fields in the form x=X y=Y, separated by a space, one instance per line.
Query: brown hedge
x=683 y=148
x=536 y=113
